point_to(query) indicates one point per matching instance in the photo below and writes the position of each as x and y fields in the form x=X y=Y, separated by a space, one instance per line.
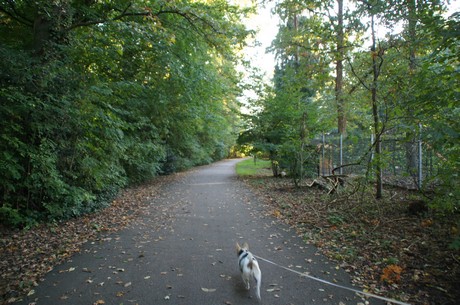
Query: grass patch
x=248 y=168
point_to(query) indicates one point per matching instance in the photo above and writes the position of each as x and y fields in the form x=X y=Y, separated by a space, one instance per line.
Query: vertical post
x=420 y=163
x=341 y=153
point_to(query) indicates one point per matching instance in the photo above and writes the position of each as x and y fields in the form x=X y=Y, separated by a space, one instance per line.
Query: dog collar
x=242 y=257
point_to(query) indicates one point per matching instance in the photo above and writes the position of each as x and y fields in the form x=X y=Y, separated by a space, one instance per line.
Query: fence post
x=420 y=163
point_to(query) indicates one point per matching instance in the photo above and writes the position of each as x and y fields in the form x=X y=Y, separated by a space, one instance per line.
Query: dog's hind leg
x=246 y=282
x=258 y=278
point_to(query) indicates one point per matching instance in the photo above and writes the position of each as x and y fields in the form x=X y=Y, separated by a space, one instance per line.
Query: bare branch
x=356 y=75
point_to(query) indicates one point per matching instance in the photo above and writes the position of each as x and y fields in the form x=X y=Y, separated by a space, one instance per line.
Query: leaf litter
x=364 y=244
x=27 y=255
x=385 y=249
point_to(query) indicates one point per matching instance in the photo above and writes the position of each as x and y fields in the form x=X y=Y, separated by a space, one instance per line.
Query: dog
x=249 y=267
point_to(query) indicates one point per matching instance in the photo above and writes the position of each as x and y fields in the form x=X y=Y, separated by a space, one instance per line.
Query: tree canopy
x=357 y=68
x=97 y=95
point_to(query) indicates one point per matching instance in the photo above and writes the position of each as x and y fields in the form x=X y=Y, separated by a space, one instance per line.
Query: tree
x=377 y=84
x=342 y=121
x=96 y=96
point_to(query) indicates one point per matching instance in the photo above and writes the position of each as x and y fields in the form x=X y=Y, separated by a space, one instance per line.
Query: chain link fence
x=406 y=161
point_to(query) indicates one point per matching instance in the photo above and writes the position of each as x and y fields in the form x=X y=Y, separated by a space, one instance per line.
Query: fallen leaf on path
x=208 y=289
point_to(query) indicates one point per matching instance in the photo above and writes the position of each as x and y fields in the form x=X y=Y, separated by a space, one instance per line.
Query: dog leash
x=333 y=284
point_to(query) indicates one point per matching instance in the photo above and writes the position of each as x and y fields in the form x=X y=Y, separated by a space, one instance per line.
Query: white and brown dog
x=248 y=267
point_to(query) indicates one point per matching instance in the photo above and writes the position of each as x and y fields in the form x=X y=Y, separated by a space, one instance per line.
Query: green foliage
x=94 y=97
x=289 y=118
x=10 y=216
x=455 y=245
x=405 y=79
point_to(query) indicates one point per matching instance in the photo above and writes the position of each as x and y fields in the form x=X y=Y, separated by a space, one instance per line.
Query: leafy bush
x=10 y=216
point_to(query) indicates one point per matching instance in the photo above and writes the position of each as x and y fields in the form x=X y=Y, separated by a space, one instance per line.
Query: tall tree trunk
x=298 y=174
x=296 y=26
x=412 y=22
x=341 y=117
x=375 y=114
x=411 y=156
x=42 y=33
x=303 y=137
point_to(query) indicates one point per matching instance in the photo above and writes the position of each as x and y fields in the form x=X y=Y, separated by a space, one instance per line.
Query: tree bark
x=341 y=117
x=411 y=159
x=375 y=114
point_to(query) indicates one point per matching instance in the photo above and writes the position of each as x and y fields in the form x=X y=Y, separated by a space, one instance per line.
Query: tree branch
x=356 y=75
x=189 y=17
x=122 y=15
x=15 y=15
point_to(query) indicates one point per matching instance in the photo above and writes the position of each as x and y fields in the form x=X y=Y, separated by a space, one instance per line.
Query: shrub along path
x=169 y=243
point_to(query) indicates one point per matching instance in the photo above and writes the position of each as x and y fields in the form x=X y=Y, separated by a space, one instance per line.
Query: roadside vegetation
x=97 y=96
x=27 y=255
x=361 y=128
x=393 y=247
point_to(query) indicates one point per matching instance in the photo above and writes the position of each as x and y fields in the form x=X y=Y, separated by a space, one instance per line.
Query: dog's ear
x=238 y=248
x=246 y=246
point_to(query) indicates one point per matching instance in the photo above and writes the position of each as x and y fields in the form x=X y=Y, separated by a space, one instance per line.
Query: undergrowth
x=396 y=246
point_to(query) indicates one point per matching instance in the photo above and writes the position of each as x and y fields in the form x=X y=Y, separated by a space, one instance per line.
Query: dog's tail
x=258 y=278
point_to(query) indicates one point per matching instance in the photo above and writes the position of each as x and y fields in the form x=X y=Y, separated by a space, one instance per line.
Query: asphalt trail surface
x=182 y=251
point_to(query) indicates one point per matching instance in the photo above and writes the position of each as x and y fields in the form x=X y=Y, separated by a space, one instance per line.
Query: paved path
x=182 y=252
